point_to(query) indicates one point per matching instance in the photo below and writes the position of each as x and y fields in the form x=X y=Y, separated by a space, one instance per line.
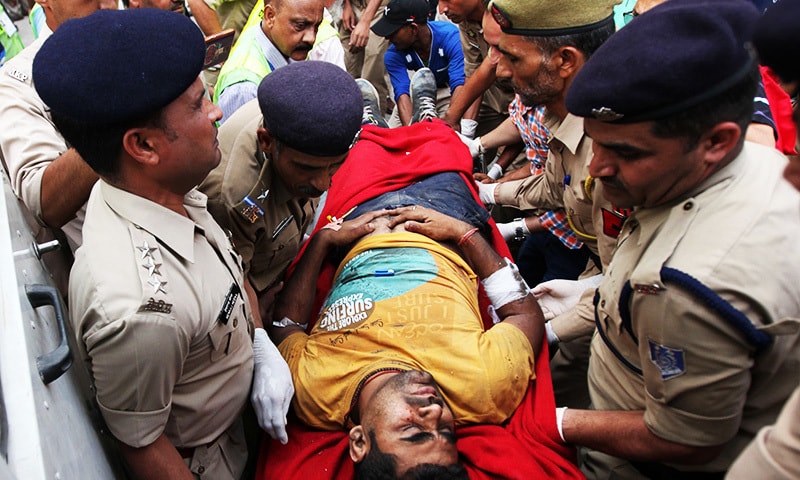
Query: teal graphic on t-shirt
x=384 y=273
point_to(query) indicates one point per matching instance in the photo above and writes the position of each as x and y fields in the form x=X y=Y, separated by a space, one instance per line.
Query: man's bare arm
x=159 y=460
x=404 y=109
x=504 y=134
x=297 y=298
x=66 y=185
x=473 y=88
x=206 y=17
x=360 y=35
x=624 y=434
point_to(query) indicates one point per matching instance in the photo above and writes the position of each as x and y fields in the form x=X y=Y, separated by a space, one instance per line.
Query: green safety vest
x=12 y=44
x=246 y=62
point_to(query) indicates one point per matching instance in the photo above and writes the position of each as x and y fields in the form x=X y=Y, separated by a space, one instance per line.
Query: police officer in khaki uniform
x=50 y=178
x=278 y=155
x=694 y=350
x=775 y=452
x=157 y=294
x=543 y=47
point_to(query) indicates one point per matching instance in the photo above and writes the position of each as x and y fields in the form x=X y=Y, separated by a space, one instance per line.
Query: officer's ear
x=719 y=142
x=359 y=444
x=265 y=141
x=141 y=145
x=567 y=60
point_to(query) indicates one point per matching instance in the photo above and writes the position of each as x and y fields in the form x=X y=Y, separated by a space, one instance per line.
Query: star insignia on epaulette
x=151 y=267
x=146 y=249
x=158 y=285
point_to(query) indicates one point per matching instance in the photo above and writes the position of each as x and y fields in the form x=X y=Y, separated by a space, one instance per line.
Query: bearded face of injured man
x=399 y=355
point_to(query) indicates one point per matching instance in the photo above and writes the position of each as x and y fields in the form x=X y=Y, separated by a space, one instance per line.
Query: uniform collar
x=268 y=181
x=171 y=229
x=569 y=131
x=735 y=168
x=691 y=200
x=271 y=53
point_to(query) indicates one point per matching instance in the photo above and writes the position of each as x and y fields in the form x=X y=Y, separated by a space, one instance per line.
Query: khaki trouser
x=223 y=459
x=368 y=63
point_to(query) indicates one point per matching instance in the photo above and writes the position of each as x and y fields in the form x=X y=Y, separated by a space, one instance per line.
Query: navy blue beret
x=313 y=107
x=665 y=61
x=115 y=66
x=777 y=39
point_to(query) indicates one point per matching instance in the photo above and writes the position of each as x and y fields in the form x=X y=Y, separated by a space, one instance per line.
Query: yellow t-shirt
x=403 y=301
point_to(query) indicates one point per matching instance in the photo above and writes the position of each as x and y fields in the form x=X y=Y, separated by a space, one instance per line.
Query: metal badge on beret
x=605 y=114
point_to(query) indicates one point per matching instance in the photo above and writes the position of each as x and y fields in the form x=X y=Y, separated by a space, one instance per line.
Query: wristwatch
x=286 y=321
x=519 y=232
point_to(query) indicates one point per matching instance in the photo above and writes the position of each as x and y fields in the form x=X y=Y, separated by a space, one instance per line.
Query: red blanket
x=780 y=106
x=528 y=445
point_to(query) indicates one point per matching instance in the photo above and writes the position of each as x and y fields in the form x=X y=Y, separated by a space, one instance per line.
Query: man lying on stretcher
x=399 y=355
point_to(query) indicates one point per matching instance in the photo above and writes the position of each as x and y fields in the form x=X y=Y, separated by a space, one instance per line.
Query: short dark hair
x=586 y=42
x=101 y=145
x=734 y=104
x=378 y=465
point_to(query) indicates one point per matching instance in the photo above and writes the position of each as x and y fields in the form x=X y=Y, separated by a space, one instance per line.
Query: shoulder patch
x=613 y=220
x=251 y=210
x=670 y=361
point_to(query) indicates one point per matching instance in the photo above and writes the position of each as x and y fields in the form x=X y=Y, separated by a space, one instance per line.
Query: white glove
x=468 y=127
x=557 y=296
x=474 y=144
x=495 y=171
x=486 y=192
x=552 y=338
x=272 y=387
x=509 y=230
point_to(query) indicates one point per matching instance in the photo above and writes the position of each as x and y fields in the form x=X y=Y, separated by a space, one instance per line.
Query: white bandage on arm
x=505 y=285
x=495 y=171
x=560 y=421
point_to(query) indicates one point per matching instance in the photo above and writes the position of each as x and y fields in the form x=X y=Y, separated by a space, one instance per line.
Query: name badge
x=227 y=306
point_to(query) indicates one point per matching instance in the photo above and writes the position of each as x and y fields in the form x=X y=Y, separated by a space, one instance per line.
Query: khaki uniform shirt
x=246 y=197
x=698 y=378
x=475 y=49
x=564 y=185
x=775 y=453
x=157 y=304
x=29 y=141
